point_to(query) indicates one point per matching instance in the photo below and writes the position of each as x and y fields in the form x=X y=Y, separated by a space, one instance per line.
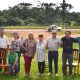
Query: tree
x=65 y=7
x=3 y=21
x=49 y=9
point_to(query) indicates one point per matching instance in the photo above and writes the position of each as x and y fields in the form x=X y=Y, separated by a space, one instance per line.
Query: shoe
x=56 y=75
x=42 y=74
x=39 y=74
x=26 y=75
x=49 y=73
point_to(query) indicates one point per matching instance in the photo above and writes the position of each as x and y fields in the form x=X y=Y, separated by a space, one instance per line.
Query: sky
x=4 y=4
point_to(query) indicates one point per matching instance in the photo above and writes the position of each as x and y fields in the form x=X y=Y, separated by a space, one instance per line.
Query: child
x=12 y=61
x=41 y=54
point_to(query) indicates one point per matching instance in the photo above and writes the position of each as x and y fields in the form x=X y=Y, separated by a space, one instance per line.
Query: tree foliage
x=44 y=13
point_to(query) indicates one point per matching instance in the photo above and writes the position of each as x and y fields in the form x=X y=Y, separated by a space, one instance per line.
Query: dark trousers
x=66 y=57
x=15 y=71
x=53 y=55
x=41 y=67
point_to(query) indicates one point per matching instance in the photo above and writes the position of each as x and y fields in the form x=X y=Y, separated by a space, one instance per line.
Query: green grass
x=34 y=72
x=26 y=27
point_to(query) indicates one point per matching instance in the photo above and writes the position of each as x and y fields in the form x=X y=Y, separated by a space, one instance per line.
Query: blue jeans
x=15 y=70
x=53 y=55
x=19 y=54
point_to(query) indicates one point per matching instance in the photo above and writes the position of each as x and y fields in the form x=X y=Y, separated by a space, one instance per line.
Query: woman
x=41 y=54
x=29 y=45
x=15 y=43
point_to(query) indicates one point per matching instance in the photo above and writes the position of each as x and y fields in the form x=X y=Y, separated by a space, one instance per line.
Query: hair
x=29 y=35
x=68 y=32
x=17 y=34
x=41 y=35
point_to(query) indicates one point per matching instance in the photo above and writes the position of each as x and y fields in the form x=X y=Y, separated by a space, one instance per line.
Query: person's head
x=30 y=36
x=1 y=32
x=67 y=33
x=11 y=50
x=15 y=34
x=40 y=37
x=54 y=34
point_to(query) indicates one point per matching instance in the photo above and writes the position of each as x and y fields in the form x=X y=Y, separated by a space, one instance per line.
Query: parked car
x=54 y=27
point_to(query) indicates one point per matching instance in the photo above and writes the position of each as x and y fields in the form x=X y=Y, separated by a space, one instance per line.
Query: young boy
x=12 y=60
x=41 y=54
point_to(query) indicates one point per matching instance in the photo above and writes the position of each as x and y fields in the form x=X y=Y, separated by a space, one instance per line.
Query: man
x=4 y=44
x=12 y=61
x=67 y=44
x=53 y=44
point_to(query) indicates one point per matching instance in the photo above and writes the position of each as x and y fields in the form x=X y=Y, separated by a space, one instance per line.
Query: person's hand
x=13 y=67
x=7 y=64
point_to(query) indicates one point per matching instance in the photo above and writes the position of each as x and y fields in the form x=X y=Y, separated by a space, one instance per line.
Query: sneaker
x=49 y=73
x=56 y=75
x=39 y=74
x=42 y=74
x=26 y=75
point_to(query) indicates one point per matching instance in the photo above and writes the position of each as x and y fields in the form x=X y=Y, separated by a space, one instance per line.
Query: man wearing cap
x=4 y=44
x=53 y=44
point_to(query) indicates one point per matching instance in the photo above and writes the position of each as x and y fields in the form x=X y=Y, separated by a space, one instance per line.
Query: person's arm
x=24 y=46
x=35 y=44
x=16 y=61
x=7 y=59
x=77 y=39
x=47 y=44
x=61 y=45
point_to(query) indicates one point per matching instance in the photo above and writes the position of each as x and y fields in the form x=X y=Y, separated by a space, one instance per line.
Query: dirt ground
x=24 y=33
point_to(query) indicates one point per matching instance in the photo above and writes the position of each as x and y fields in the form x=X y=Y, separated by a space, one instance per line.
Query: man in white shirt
x=4 y=44
x=53 y=44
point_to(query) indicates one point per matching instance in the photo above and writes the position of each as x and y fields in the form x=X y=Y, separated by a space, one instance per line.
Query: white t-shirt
x=53 y=44
x=40 y=50
x=4 y=42
x=15 y=44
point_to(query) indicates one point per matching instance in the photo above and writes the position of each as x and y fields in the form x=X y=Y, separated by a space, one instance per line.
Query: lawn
x=34 y=72
x=26 y=27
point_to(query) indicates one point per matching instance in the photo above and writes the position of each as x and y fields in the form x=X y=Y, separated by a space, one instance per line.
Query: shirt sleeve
x=7 y=41
x=59 y=41
x=16 y=56
x=24 y=43
x=74 y=40
x=35 y=44
x=77 y=39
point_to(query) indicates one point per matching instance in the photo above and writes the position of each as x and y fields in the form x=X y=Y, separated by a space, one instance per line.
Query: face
x=11 y=51
x=30 y=36
x=54 y=34
x=1 y=32
x=40 y=38
x=67 y=34
x=15 y=35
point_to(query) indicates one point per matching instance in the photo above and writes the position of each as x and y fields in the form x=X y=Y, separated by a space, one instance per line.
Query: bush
x=14 y=21
x=29 y=21
x=3 y=21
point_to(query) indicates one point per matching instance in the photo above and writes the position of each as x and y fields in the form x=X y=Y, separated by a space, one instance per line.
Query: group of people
x=29 y=47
